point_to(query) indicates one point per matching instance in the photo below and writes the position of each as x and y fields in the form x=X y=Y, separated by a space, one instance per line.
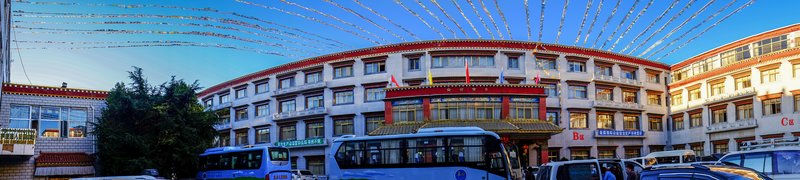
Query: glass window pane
x=77 y=128
x=49 y=128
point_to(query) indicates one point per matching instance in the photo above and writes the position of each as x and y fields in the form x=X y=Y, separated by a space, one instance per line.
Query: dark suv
x=701 y=172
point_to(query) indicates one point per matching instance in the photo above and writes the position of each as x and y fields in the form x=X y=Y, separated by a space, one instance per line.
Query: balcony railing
x=736 y=94
x=694 y=103
x=299 y=88
x=607 y=133
x=17 y=141
x=730 y=126
x=220 y=106
x=618 y=105
x=550 y=74
x=301 y=113
x=618 y=80
x=223 y=125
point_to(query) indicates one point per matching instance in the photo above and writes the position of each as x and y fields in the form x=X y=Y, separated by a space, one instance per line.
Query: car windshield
x=788 y=162
x=306 y=173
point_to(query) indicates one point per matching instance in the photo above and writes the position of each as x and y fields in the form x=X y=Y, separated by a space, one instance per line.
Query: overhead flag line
x=662 y=27
x=639 y=15
x=624 y=18
x=650 y=25
x=449 y=17
x=467 y=19
x=419 y=17
x=365 y=19
x=693 y=28
x=503 y=17
x=613 y=11
x=489 y=14
x=335 y=18
x=675 y=29
x=385 y=18
x=583 y=21
x=437 y=18
x=475 y=10
x=591 y=26
x=561 y=23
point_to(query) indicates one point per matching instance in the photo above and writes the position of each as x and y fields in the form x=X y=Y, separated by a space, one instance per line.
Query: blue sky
x=298 y=37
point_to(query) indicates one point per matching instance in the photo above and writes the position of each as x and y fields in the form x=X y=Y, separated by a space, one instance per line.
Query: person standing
x=632 y=175
x=608 y=175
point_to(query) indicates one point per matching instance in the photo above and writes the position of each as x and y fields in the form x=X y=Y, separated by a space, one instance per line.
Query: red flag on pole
x=466 y=66
x=395 y=82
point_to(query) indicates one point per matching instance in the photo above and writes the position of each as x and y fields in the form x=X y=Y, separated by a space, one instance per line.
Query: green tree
x=162 y=127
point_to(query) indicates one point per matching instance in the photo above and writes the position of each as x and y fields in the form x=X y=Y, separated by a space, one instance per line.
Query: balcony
x=549 y=74
x=301 y=113
x=607 y=133
x=219 y=106
x=299 y=88
x=694 y=103
x=730 y=126
x=223 y=125
x=618 y=80
x=617 y=105
x=727 y=96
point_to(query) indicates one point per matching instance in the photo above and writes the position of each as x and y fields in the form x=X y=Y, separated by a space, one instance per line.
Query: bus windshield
x=278 y=154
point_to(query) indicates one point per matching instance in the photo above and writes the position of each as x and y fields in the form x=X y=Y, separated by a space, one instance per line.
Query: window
x=653 y=77
x=677 y=99
x=287 y=106
x=606 y=153
x=224 y=98
x=343 y=72
x=605 y=121
x=375 y=67
x=694 y=94
x=696 y=120
x=262 y=110
x=795 y=69
x=343 y=127
x=717 y=89
x=768 y=76
x=605 y=95
x=224 y=115
x=551 y=90
x=373 y=122
x=547 y=64
x=313 y=77
x=552 y=116
x=742 y=82
x=286 y=83
x=630 y=97
x=316 y=164
x=602 y=70
x=77 y=122
x=786 y=162
x=208 y=103
x=733 y=55
x=523 y=108
x=315 y=129
x=513 y=62
x=761 y=162
x=578 y=121
x=579 y=154
x=718 y=116
x=262 y=88
x=241 y=114
x=577 y=92
x=656 y=124
x=408 y=110
x=631 y=122
x=241 y=93
x=343 y=97
x=629 y=74
x=633 y=152
x=772 y=106
x=576 y=66
x=468 y=108
x=288 y=132
x=698 y=149
x=374 y=94
x=771 y=45
x=21 y=117
x=721 y=148
x=653 y=99
x=224 y=139
x=797 y=103
x=314 y=102
x=677 y=123
x=578 y=171
x=262 y=135
x=241 y=137
x=413 y=64
x=458 y=61
x=553 y=155
x=744 y=112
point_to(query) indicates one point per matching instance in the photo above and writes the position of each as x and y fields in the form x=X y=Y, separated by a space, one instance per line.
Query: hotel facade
x=587 y=103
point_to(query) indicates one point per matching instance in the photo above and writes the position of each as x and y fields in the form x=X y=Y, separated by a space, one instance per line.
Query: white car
x=777 y=163
x=303 y=175
x=585 y=169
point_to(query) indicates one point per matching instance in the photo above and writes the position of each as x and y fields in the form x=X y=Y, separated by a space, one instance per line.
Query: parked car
x=303 y=175
x=702 y=172
x=777 y=163
x=585 y=169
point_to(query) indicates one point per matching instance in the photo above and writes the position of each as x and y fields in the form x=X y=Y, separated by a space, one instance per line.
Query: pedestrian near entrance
x=608 y=175
x=632 y=175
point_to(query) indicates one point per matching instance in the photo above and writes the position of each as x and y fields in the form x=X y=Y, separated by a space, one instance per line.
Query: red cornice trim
x=9 y=88
x=729 y=46
x=426 y=91
x=416 y=46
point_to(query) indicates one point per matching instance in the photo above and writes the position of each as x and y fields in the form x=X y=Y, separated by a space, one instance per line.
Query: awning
x=498 y=126
x=64 y=171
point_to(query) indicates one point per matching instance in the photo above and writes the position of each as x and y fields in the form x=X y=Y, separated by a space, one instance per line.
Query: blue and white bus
x=432 y=153
x=259 y=162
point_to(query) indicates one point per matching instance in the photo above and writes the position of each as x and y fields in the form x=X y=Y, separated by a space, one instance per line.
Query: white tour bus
x=431 y=153
x=250 y=162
